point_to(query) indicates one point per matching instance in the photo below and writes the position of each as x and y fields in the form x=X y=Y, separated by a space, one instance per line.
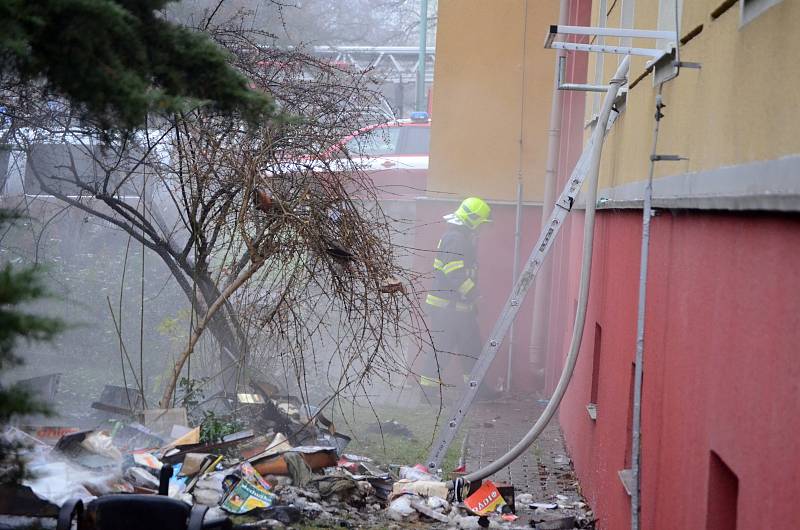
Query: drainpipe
x=541 y=294
x=518 y=213
x=423 y=45
x=647 y=213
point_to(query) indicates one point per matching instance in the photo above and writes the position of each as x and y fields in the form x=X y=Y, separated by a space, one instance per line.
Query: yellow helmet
x=473 y=212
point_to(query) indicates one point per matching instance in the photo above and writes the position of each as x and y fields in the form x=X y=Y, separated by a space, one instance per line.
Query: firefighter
x=451 y=303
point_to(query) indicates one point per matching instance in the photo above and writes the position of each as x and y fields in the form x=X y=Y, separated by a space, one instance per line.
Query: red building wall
x=721 y=374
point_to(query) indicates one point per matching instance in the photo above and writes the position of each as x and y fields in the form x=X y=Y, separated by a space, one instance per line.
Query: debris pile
x=287 y=465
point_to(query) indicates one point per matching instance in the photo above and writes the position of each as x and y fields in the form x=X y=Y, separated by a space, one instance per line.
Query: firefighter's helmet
x=473 y=212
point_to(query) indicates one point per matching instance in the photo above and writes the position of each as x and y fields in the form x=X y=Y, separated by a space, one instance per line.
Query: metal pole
x=541 y=294
x=518 y=213
x=423 y=45
x=515 y=276
x=636 y=447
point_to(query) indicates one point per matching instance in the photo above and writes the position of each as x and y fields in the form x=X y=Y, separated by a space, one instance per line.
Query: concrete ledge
x=771 y=185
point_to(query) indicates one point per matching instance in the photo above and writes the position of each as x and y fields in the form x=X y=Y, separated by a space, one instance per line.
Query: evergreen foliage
x=17 y=287
x=118 y=60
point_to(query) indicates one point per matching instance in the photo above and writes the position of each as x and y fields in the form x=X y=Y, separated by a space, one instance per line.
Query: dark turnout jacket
x=455 y=271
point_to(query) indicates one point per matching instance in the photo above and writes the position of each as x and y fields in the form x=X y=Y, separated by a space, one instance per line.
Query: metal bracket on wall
x=581 y=87
x=663 y=61
x=593 y=31
x=668 y=67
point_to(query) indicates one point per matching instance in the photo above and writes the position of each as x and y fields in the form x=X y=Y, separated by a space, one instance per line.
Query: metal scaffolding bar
x=592 y=31
x=655 y=53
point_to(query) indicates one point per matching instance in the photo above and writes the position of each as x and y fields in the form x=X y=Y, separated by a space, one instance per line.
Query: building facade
x=721 y=388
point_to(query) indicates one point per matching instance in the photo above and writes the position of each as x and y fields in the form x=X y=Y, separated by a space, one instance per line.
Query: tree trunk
x=210 y=315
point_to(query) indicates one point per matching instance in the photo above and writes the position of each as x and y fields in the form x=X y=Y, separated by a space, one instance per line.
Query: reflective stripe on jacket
x=455 y=271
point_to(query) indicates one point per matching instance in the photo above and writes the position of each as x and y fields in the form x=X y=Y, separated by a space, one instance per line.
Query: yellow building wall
x=479 y=97
x=743 y=105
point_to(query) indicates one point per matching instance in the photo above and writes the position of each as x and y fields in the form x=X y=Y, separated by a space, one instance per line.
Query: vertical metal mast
x=647 y=213
x=423 y=45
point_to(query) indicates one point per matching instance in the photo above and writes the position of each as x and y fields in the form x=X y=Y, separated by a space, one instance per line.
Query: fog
x=125 y=293
x=128 y=313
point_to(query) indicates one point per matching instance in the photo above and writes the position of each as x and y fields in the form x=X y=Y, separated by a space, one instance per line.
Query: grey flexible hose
x=619 y=79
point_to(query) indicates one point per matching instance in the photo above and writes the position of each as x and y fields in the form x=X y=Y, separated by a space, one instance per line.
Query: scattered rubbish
x=285 y=515
x=524 y=499
x=259 y=445
x=192 y=436
x=180 y=430
x=298 y=469
x=161 y=421
x=256 y=450
x=356 y=458
x=424 y=488
x=429 y=512
x=12 y=435
x=99 y=443
x=339 y=485
x=392 y=427
x=44 y=387
x=382 y=486
x=92 y=449
x=141 y=478
x=437 y=503
x=193 y=463
x=289 y=408
x=135 y=436
x=245 y=490
x=507 y=491
x=119 y=400
x=261 y=476
x=207 y=490
x=207 y=465
x=485 y=500
x=235 y=437
x=49 y=434
x=336 y=440
x=147 y=460
x=418 y=472
x=178 y=453
x=316 y=457
x=400 y=509
x=352 y=467
x=563 y=523
x=57 y=481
